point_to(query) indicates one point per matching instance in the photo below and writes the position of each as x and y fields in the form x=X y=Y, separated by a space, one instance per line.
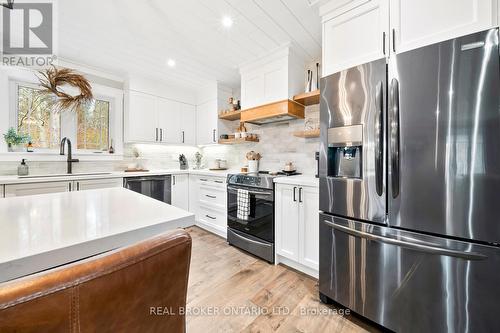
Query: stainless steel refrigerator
x=410 y=188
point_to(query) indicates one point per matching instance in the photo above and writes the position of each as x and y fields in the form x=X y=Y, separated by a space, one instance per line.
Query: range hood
x=274 y=112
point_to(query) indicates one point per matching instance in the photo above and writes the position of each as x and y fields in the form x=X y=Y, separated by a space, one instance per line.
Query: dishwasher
x=156 y=187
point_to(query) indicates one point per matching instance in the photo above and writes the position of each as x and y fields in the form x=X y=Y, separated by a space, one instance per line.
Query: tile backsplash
x=277 y=146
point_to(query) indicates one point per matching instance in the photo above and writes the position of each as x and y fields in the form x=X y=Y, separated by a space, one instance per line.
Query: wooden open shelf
x=307 y=99
x=307 y=134
x=233 y=115
x=237 y=141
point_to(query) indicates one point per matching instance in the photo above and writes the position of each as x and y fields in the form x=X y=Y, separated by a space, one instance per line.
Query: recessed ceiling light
x=171 y=63
x=227 y=21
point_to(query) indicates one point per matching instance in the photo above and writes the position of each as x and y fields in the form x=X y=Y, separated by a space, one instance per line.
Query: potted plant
x=14 y=140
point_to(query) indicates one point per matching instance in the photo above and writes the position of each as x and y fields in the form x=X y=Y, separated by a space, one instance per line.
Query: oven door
x=260 y=221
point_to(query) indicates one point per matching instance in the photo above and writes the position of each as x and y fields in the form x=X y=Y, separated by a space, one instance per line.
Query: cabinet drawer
x=213 y=196
x=215 y=182
x=212 y=217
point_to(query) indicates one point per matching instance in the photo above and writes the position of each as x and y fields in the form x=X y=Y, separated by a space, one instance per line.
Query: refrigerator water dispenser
x=345 y=147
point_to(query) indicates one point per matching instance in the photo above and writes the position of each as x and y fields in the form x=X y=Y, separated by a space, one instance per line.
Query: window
x=36 y=117
x=93 y=126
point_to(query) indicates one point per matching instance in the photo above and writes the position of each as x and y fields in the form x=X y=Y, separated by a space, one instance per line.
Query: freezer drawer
x=409 y=282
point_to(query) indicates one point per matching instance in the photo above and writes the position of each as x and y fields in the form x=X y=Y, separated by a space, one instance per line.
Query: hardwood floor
x=231 y=291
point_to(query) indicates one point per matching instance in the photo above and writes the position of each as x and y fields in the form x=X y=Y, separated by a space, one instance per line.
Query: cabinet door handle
x=69 y=187
x=214 y=135
x=156 y=134
x=211 y=196
x=394 y=40
x=203 y=180
x=294 y=197
x=183 y=137
x=78 y=186
x=219 y=181
x=383 y=42
x=300 y=194
x=161 y=134
x=173 y=178
x=211 y=217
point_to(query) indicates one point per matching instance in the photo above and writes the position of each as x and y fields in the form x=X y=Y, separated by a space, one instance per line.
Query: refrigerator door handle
x=379 y=140
x=408 y=245
x=395 y=163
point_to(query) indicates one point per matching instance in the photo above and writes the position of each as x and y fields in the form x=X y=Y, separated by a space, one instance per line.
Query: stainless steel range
x=250 y=215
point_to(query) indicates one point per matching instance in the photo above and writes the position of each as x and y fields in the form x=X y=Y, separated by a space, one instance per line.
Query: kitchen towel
x=243 y=204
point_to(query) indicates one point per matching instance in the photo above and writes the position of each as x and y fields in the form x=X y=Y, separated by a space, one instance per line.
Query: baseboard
x=297 y=266
x=215 y=229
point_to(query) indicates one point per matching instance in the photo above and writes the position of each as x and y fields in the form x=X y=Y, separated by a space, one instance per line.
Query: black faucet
x=70 y=157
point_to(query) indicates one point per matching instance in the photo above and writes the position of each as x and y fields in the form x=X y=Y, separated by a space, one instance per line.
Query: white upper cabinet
x=275 y=77
x=188 y=124
x=169 y=121
x=140 y=117
x=207 y=123
x=354 y=32
x=150 y=118
x=159 y=113
x=424 y=22
x=359 y=31
x=212 y=99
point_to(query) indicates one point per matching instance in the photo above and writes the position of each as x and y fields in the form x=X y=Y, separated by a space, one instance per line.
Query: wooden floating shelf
x=237 y=141
x=233 y=115
x=307 y=134
x=307 y=99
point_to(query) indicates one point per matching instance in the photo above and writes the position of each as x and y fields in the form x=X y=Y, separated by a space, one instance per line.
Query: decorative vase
x=253 y=166
x=15 y=148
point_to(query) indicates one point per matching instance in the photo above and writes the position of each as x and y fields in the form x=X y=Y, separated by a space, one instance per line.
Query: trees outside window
x=37 y=117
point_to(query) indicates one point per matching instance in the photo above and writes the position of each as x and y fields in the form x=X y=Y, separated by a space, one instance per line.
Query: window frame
x=111 y=119
x=14 y=109
x=68 y=121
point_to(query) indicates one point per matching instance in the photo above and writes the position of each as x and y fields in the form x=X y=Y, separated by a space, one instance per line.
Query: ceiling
x=136 y=37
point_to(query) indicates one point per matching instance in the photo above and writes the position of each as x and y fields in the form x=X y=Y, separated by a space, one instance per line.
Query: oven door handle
x=408 y=245
x=235 y=190
x=250 y=240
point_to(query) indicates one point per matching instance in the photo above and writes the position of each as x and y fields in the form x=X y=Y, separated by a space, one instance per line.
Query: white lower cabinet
x=95 y=184
x=208 y=201
x=19 y=190
x=297 y=227
x=180 y=191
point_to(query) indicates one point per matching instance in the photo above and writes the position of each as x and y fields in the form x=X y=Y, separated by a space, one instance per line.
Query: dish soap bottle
x=23 y=169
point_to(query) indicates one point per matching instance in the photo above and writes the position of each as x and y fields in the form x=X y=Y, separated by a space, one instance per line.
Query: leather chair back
x=141 y=288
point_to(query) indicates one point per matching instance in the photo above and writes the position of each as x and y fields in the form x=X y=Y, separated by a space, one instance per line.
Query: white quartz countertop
x=301 y=180
x=43 y=231
x=5 y=180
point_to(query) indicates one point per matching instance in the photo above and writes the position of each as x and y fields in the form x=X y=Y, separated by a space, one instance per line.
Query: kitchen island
x=40 y=232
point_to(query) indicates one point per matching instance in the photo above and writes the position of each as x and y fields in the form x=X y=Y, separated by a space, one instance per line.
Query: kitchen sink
x=66 y=175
